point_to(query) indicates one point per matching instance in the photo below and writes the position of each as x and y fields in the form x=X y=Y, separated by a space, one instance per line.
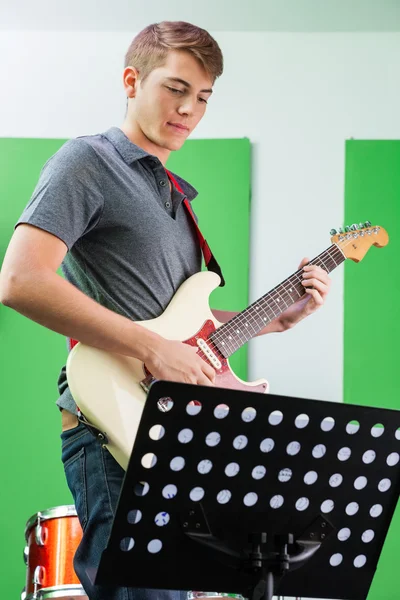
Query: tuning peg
x=333 y=232
x=341 y=230
x=347 y=229
x=354 y=227
x=361 y=226
x=367 y=224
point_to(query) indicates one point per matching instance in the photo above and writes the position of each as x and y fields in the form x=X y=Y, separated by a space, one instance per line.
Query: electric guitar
x=110 y=389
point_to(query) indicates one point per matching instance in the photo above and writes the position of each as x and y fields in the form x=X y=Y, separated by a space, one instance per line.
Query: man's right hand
x=172 y=360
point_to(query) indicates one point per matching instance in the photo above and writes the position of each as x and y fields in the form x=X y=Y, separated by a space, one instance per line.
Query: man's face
x=171 y=101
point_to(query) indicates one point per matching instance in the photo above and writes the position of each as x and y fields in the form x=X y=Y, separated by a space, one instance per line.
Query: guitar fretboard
x=241 y=328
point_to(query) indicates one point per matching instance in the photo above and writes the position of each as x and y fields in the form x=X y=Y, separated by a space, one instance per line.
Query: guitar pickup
x=210 y=355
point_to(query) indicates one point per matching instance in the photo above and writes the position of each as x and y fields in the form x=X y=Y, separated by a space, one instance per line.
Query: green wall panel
x=31 y=356
x=371 y=324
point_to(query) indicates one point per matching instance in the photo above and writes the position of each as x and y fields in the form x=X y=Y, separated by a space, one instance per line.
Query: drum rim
x=65 y=510
x=58 y=591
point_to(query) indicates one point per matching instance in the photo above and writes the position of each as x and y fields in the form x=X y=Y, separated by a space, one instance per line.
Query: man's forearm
x=223 y=316
x=48 y=299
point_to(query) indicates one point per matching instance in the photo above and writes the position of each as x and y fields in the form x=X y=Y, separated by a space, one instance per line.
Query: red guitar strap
x=209 y=259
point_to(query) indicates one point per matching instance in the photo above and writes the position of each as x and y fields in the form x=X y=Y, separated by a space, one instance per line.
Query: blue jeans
x=95 y=478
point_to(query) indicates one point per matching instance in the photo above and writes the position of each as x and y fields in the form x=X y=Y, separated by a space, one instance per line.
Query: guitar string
x=332 y=252
x=252 y=319
x=264 y=302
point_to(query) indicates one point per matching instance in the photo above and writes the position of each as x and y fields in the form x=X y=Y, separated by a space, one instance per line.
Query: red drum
x=52 y=537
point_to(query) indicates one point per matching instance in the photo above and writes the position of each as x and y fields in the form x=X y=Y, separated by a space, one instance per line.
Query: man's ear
x=130 y=81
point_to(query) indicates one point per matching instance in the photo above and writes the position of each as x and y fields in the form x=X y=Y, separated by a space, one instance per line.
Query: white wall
x=298 y=97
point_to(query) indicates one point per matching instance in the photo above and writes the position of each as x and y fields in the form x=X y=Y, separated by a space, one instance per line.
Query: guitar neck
x=242 y=327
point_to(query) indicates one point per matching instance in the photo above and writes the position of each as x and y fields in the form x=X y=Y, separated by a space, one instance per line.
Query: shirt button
x=167 y=204
x=163 y=183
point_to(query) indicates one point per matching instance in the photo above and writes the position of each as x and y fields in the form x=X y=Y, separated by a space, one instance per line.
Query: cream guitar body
x=107 y=388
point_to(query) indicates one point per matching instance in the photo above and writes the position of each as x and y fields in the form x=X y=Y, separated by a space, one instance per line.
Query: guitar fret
x=281 y=297
x=277 y=304
x=339 y=252
x=326 y=266
x=248 y=316
x=228 y=343
x=293 y=286
x=333 y=259
x=244 y=335
x=251 y=325
x=275 y=314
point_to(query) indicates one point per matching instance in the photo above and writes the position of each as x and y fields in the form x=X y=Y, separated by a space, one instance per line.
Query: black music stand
x=254 y=494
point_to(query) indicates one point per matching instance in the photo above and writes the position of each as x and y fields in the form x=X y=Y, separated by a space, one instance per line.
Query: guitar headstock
x=355 y=240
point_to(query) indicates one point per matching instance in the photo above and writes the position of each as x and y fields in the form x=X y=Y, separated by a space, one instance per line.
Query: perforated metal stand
x=253 y=494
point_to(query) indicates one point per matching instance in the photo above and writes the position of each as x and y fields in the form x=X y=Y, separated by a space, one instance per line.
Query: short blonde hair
x=149 y=49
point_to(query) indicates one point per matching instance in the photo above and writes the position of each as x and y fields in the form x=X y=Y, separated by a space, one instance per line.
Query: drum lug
x=38 y=575
x=26 y=555
x=40 y=535
x=38 y=580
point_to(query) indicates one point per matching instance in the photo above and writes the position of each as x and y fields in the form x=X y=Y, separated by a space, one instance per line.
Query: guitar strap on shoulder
x=209 y=258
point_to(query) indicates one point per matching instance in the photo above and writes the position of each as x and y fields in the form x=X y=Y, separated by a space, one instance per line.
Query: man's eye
x=174 y=90
x=203 y=100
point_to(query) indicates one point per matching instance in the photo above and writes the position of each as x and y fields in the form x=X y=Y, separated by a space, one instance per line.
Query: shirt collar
x=130 y=153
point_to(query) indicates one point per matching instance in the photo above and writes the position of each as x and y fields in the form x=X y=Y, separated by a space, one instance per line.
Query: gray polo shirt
x=131 y=243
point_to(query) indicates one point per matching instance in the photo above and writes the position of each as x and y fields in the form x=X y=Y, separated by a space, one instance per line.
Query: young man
x=106 y=211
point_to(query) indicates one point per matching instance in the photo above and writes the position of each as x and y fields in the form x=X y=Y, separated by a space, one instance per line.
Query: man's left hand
x=317 y=283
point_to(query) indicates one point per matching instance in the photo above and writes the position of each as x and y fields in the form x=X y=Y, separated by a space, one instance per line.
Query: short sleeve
x=67 y=201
